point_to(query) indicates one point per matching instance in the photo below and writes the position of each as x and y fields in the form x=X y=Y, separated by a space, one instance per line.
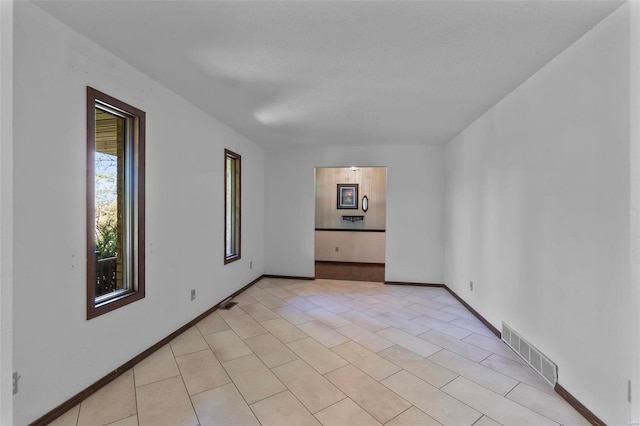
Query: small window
x=231 y=206
x=115 y=203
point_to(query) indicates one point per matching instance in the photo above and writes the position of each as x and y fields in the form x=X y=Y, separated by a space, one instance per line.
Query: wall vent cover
x=532 y=356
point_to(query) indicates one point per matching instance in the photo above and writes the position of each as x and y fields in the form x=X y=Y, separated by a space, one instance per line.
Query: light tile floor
x=333 y=353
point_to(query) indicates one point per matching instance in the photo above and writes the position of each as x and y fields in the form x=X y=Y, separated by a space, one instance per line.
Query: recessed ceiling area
x=337 y=72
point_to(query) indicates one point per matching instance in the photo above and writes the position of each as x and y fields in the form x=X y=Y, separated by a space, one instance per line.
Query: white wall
x=56 y=350
x=537 y=215
x=6 y=211
x=634 y=115
x=352 y=246
x=415 y=194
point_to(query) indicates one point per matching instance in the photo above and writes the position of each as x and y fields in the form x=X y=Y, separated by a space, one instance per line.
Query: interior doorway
x=350 y=223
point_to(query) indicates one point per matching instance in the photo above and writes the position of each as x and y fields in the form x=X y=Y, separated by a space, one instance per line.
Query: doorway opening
x=350 y=223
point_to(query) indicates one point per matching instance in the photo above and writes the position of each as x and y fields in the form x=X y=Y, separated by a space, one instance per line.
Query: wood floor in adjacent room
x=330 y=352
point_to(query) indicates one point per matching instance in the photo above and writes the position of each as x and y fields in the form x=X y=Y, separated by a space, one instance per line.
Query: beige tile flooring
x=330 y=352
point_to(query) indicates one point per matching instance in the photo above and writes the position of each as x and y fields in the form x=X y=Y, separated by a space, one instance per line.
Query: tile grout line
x=80 y=406
x=484 y=415
x=293 y=393
x=472 y=380
x=409 y=408
x=451 y=396
x=135 y=395
x=251 y=405
x=181 y=379
x=244 y=399
x=517 y=379
x=527 y=408
x=135 y=392
x=286 y=287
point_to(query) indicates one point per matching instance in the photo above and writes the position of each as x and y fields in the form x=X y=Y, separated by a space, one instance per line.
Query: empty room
x=320 y=212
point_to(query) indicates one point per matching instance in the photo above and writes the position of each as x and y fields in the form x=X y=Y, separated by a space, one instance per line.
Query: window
x=115 y=203
x=231 y=206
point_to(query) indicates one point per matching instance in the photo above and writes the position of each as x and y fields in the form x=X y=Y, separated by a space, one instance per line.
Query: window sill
x=111 y=304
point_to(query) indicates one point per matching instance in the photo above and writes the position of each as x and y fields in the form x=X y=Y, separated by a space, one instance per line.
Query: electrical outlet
x=251 y=264
x=16 y=377
x=337 y=249
x=193 y=294
x=471 y=285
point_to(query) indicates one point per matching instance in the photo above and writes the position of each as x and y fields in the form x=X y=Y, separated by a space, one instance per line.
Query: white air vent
x=536 y=359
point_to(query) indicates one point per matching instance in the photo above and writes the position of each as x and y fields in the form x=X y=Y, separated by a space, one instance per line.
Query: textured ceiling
x=337 y=73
